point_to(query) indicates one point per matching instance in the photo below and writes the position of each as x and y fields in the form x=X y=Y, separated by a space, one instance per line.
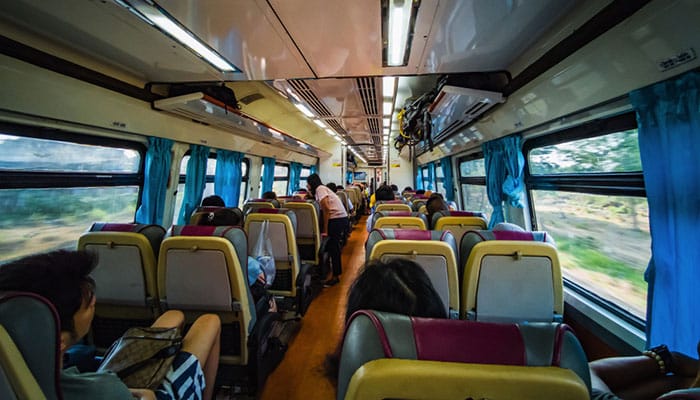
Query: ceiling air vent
x=205 y=109
x=455 y=107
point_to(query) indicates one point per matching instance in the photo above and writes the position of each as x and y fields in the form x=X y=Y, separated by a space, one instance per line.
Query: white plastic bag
x=263 y=253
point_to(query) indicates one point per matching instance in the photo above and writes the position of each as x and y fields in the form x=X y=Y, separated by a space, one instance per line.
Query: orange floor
x=300 y=375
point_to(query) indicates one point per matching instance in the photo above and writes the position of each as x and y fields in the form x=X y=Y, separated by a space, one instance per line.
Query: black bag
x=142 y=356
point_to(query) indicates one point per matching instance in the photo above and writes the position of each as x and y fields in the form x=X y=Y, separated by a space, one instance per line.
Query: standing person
x=63 y=278
x=334 y=225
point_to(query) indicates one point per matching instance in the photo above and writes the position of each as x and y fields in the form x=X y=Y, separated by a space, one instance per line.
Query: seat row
x=491 y=275
x=142 y=272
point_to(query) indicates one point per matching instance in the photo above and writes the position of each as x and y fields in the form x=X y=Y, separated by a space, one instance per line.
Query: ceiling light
x=304 y=110
x=388 y=86
x=387 y=122
x=153 y=14
x=401 y=14
x=388 y=107
x=338 y=138
x=330 y=132
x=320 y=123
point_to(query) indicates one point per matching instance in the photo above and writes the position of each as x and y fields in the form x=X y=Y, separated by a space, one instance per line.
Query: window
x=305 y=172
x=244 y=181
x=587 y=190
x=208 y=187
x=279 y=185
x=439 y=179
x=472 y=178
x=54 y=185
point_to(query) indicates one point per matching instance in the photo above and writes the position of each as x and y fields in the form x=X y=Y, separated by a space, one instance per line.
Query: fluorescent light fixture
x=304 y=110
x=388 y=107
x=338 y=138
x=155 y=15
x=330 y=132
x=276 y=134
x=388 y=86
x=387 y=122
x=399 y=25
x=386 y=131
x=320 y=123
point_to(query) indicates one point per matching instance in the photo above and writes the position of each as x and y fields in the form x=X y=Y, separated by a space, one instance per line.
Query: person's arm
x=325 y=205
x=143 y=394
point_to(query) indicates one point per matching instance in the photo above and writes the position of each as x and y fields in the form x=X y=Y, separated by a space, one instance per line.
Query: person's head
x=271 y=195
x=420 y=191
x=312 y=182
x=399 y=286
x=407 y=189
x=213 y=201
x=332 y=186
x=384 y=192
x=222 y=217
x=394 y=188
x=63 y=278
x=434 y=204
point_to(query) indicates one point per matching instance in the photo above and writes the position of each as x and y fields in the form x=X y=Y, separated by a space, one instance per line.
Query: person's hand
x=143 y=394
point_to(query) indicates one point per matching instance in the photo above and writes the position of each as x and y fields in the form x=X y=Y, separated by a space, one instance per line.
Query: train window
x=589 y=194
x=279 y=185
x=244 y=181
x=305 y=172
x=439 y=179
x=54 y=185
x=472 y=178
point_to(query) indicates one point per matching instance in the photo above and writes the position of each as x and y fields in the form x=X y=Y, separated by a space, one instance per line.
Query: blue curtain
x=227 y=181
x=313 y=169
x=668 y=120
x=348 y=177
x=446 y=165
x=268 y=174
x=504 y=174
x=156 y=173
x=431 y=176
x=419 y=179
x=194 y=182
x=294 y=175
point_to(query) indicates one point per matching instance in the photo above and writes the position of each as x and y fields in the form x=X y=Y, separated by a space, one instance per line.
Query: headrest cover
x=270 y=211
x=412 y=234
x=513 y=235
x=200 y=230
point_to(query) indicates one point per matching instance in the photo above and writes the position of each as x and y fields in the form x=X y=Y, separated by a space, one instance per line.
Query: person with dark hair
x=334 y=224
x=399 y=286
x=269 y=195
x=213 y=201
x=223 y=216
x=434 y=204
x=332 y=186
x=63 y=278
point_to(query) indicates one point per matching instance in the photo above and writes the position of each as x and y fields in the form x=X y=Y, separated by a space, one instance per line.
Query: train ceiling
x=329 y=53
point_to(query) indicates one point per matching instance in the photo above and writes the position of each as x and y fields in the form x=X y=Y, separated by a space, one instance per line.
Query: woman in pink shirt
x=334 y=224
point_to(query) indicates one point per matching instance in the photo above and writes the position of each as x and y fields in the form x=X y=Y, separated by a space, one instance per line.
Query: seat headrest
x=409 y=234
x=371 y=335
x=154 y=233
x=233 y=234
x=33 y=325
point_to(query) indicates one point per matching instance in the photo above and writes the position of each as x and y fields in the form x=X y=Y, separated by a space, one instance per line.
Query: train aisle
x=300 y=375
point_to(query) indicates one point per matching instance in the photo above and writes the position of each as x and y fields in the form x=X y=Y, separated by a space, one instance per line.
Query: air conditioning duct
x=208 y=110
x=455 y=107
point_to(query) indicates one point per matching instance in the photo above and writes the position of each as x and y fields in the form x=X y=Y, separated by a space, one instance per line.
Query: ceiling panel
x=246 y=32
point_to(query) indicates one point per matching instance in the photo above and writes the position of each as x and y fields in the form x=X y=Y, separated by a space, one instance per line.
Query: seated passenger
x=213 y=201
x=399 y=286
x=644 y=377
x=63 y=278
x=434 y=204
x=222 y=217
